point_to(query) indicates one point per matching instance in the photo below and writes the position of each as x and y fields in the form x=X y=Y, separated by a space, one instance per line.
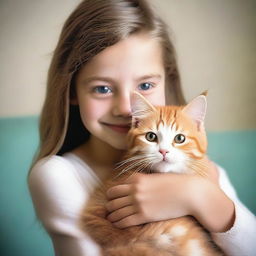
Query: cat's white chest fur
x=164 y=166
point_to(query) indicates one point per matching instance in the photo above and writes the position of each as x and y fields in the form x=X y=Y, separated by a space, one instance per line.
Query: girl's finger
x=118 y=203
x=121 y=213
x=132 y=220
x=118 y=191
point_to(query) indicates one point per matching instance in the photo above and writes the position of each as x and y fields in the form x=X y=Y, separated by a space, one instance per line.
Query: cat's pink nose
x=163 y=152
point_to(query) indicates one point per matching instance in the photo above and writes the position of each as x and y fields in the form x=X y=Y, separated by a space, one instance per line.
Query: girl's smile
x=120 y=128
x=105 y=84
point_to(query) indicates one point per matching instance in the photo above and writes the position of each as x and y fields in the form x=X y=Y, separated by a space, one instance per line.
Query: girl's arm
x=240 y=238
x=148 y=198
x=155 y=197
x=59 y=195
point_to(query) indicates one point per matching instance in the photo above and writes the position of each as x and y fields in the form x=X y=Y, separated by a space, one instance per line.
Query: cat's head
x=167 y=138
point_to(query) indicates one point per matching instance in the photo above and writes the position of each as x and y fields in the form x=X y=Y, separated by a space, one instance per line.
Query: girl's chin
x=117 y=144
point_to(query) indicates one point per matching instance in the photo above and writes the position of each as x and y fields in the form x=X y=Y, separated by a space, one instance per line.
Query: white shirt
x=61 y=185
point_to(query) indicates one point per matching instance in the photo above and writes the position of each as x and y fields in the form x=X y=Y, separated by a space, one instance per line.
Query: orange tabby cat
x=161 y=139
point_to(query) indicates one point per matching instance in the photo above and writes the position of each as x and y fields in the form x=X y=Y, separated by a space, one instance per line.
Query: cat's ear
x=196 y=109
x=141 y=108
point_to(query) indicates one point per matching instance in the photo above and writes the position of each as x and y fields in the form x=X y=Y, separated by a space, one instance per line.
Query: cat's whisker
x=135 y=165
x=140 y=164
x=141 y=167
x=138 y=157
x=129 y=167
x=146 y=165
x=149 y=162
x=150 y=167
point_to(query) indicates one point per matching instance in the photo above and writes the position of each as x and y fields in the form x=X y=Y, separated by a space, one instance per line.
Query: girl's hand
x=153 y=197
x=150 y=197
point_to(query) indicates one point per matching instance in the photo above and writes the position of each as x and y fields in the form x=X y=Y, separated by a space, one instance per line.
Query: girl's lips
x=121 y=128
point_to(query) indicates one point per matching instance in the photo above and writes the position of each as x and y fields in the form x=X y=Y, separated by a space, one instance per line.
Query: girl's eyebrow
x=111 y=80
x=149 y=76
x=98 y=78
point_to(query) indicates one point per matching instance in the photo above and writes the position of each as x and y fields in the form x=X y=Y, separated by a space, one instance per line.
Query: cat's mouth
x=165 y=160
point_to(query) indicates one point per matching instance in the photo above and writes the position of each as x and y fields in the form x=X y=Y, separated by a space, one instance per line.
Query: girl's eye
x=150 y=136
x=145 y=86
x=102 y=89
x=179 y=138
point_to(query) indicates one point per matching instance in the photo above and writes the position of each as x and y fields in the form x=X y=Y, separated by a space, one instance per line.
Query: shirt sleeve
x=240 y=240
x=59 y=197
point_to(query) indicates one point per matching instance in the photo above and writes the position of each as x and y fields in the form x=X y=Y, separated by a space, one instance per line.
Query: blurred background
x=216 y=49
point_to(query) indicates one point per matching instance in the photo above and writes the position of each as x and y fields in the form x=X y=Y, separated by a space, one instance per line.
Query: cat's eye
x=179 y=138
x=150 y=136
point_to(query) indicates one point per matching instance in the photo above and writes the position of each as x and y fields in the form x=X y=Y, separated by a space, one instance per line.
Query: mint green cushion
x=235 y=152
x=22 y=234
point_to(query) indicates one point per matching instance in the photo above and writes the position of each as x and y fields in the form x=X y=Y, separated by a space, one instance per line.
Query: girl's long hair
x=93 y=26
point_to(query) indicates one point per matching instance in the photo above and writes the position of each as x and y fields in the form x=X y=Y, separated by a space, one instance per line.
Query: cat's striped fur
x=176 y=237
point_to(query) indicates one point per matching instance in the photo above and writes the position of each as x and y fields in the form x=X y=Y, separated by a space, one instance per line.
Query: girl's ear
x=196 y=110
x=141 y=108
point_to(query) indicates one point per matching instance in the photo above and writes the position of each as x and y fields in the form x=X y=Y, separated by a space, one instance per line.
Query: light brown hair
x=93 y=26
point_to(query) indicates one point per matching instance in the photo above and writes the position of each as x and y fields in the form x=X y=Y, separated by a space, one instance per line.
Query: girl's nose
x=122 y=105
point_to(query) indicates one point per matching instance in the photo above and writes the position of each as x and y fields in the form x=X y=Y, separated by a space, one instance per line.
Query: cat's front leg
x=95 y=224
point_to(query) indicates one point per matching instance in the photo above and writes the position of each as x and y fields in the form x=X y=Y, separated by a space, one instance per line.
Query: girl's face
x=105 y=84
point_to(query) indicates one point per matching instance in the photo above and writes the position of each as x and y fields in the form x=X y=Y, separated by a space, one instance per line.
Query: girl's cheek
x=158 y=97
x=94 y=109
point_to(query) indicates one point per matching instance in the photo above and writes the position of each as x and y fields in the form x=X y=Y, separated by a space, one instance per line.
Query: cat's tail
x=138 y=249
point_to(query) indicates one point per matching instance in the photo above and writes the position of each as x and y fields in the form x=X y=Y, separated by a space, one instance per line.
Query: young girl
x=107 y=50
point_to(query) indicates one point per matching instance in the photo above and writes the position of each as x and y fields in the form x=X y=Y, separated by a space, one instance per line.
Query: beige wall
x=215 y=42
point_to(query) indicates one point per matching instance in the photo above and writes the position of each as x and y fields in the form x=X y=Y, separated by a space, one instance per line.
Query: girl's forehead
x=138 y=55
